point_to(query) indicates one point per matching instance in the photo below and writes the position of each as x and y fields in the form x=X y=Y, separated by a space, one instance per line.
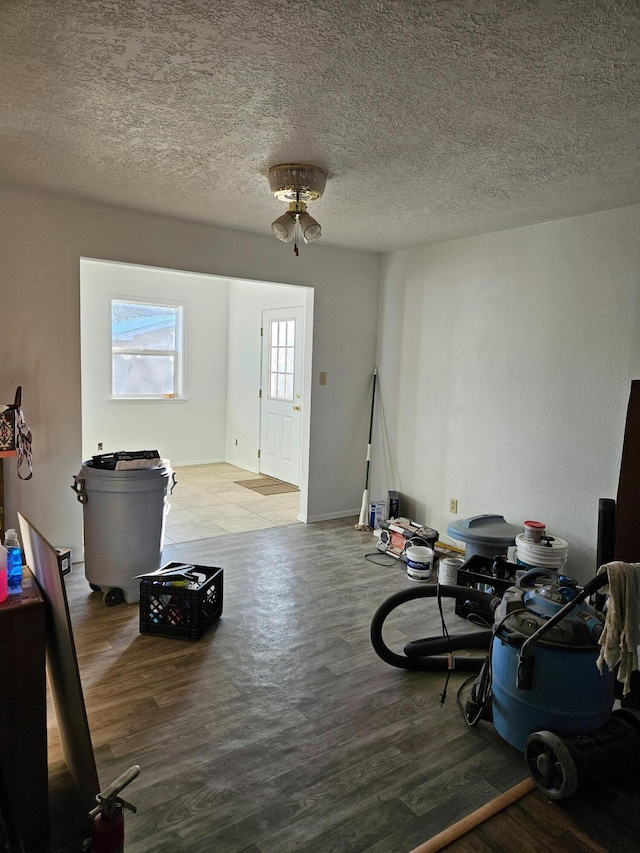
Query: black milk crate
x=175 y=611
x=476 y=573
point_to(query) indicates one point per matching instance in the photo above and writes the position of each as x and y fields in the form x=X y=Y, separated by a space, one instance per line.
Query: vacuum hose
x=433 y=652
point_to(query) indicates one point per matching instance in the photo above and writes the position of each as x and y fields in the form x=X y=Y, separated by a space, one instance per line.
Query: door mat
x=267 y=486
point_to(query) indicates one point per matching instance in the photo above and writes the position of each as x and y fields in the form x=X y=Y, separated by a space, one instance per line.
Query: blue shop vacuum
x=539 y=683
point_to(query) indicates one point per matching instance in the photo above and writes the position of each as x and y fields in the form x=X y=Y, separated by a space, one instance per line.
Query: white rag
x=620 y=637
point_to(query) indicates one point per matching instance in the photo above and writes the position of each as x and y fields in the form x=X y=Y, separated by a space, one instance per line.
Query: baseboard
x=253 y=469
x=182 y=464
x=330 y=516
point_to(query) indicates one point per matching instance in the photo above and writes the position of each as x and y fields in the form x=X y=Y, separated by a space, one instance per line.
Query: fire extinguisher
x=107 y=819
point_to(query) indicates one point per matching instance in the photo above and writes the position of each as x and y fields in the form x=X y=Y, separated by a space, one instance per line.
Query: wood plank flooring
x=280 y=730
x=600 y=818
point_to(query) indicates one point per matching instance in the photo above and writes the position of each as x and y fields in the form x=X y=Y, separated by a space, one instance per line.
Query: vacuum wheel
x=112 y=597
x=95 y=587
x=630 y=715
x=551 y=765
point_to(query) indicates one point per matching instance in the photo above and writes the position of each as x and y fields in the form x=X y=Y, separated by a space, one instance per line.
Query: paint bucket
x=419 y=562
x=550 y=553
x=448 y=570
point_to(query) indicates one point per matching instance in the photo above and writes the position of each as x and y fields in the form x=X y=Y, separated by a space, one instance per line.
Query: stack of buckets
x=535 y=549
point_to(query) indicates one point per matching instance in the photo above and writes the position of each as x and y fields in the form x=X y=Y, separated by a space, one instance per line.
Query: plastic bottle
x=3 y=573
x=14 y=562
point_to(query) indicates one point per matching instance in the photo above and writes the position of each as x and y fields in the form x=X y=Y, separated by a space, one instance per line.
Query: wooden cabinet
x=4 y=454
x=23 y=712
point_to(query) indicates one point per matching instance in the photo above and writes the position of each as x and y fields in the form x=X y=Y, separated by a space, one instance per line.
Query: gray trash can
x=485 y=535
x=124 y=514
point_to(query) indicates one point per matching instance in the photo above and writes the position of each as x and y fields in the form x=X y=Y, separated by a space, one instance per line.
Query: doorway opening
x=215 y=420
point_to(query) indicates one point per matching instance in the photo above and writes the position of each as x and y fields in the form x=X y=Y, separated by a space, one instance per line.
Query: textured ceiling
x=436 y=119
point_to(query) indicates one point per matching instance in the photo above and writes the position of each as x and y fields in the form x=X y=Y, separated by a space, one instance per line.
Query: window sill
x=123 y=399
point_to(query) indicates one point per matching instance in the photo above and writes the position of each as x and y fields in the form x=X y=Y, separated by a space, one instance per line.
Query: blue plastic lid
x=484 y=529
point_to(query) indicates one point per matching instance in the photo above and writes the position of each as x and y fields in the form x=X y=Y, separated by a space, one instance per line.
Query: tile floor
x=207 y=502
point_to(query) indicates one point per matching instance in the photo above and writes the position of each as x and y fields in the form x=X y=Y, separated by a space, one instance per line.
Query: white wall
x=186 y=432
x=44 y=235
x=505 y=369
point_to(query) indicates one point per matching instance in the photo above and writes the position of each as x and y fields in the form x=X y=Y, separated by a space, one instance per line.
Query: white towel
x=620 y=637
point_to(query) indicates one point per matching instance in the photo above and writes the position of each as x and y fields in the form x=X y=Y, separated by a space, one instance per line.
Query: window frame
x=287 y=349
x=178 y=353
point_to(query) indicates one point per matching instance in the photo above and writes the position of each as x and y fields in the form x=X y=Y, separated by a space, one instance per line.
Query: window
x=281 y=352
x=146 y=350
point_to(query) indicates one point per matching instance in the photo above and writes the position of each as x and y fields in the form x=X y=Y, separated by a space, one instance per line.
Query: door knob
x=296 y=408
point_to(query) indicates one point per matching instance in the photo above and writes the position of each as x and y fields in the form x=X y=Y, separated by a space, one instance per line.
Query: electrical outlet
x=99 y=445
x=323 y=377
x=453 y=505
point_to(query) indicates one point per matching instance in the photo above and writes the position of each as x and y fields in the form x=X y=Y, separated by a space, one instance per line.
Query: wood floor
x=601 y=820
x=281 y=730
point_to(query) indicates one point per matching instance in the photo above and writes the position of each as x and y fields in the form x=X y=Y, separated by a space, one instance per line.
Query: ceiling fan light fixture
x=284 y=226
x=311 y=230
x=298 y=184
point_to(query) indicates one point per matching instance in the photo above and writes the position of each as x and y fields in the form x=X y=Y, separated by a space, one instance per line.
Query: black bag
x=8 y=422
x=16 y=435
x=124 y=460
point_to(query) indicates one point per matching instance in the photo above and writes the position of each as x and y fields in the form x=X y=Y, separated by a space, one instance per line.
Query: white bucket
x=448 y=570
x=419 y=562
x=550 y=553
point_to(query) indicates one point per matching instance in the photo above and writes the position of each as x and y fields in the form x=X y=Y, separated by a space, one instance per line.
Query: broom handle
x=466 y=824
x=373 y=401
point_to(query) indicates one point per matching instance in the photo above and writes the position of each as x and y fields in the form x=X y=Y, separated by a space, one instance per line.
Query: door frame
x=299 y=399
x=307 y=384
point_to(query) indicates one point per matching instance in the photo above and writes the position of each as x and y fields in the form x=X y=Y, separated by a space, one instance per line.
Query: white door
x=281 y=393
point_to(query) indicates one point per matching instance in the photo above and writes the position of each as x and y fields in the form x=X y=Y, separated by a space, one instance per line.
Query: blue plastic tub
x=568 y=694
